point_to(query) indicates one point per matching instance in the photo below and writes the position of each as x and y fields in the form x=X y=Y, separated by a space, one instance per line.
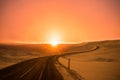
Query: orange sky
x=68 y=20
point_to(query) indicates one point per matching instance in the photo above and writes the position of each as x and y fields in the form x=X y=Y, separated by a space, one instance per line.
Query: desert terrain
x=103 y=63
x=98 y=60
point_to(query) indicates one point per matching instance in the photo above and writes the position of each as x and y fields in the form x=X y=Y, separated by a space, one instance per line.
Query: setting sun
x=54 y=42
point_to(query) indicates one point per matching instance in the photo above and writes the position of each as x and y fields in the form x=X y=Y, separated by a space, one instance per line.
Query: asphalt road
x=35 y=69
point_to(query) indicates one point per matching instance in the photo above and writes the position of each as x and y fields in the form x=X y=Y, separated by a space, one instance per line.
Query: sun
x=54 y=42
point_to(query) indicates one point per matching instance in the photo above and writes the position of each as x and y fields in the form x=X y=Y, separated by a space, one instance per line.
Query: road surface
x=35 y=69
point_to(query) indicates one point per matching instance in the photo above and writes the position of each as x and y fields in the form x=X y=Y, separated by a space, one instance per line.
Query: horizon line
x=21 y=42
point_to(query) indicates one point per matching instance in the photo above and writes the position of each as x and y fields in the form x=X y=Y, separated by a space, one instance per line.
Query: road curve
x=35 y=69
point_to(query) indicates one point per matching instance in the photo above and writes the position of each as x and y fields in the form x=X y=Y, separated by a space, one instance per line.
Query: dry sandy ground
x=13 y=53
x=101 y=64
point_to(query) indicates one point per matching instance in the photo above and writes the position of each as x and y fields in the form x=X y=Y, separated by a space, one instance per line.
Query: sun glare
x=54 y=42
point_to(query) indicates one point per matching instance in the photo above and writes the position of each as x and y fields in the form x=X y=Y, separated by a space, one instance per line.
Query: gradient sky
x=65 y=20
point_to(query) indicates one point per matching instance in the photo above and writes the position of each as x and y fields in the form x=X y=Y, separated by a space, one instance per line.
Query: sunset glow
x=54 y=42
x=69 y=20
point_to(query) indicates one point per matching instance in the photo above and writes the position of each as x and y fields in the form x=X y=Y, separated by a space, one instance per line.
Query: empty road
x=35 y=69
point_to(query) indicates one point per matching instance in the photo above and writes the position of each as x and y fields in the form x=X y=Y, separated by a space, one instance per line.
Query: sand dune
x=100 y=64
x=93 y=60
x=11 y=54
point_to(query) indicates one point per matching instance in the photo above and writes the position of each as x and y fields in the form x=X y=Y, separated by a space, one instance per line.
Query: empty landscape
x=59 y=39
x=88 y=61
